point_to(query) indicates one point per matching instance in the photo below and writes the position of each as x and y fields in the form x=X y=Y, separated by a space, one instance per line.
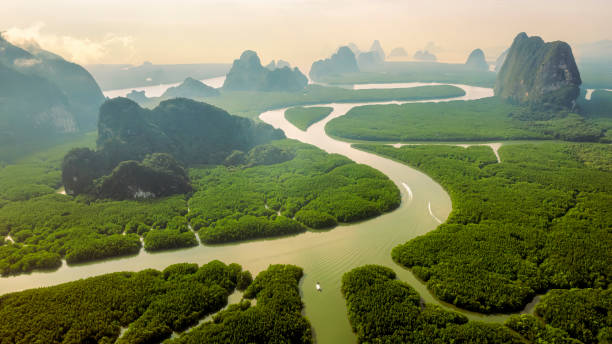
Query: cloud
x=75 y=49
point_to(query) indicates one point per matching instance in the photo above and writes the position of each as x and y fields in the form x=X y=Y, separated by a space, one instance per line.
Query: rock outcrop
x=158 y=175
x=477 y=60
x=339 y=63
x=247 y=74
x=191 y=88
x=536 y=72
x=190 y=132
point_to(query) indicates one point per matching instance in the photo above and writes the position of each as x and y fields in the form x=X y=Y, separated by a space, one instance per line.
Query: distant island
x=191 y=88
x=247 y=74
x=477 y=60
x=341 y=62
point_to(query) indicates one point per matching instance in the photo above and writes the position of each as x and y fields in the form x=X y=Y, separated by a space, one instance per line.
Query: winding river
x=324 y=255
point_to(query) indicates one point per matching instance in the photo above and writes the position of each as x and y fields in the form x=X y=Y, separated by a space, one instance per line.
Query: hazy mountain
x=247 y=74
x=190 y=88
x=43 y=94
x=424 y=55
x=354 y=48
x=398 y=52
x=190 y=131
x=368 y=60
x=377 y=48
x=339 y=63
x=539 y=72
x=477 y=60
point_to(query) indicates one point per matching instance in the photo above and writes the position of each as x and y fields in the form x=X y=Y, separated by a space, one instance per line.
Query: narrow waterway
x=324 y=255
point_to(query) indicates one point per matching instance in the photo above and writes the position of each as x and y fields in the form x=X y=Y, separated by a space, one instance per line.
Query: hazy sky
x=299 y=31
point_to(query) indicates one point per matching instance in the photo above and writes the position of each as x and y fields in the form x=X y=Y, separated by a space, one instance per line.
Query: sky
x=299 y=31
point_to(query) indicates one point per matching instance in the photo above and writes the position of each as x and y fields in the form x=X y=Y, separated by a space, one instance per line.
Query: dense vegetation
x=304 y=117
x=538 y=220
x=247 y=74
x=276 y=318
x=261 y=199
x=484 y=119
x=191 y=132
x=586 y=314
x=382 y=309
x=152 y=303
x=49 y=227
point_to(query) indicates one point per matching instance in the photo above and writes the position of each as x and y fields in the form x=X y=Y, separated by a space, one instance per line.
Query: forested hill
x=129 y=137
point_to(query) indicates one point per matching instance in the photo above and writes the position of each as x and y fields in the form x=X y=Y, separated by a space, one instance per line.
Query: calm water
x=324 y=255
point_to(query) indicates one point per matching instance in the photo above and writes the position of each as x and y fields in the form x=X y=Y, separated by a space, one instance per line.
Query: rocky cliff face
x=342 y=62
x=477 y=60
x=247 y=74
x=536 y=72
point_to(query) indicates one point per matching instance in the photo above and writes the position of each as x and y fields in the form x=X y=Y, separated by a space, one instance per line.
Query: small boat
x=319 y=287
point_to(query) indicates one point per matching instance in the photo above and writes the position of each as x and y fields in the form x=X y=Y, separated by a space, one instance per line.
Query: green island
x=476 y=120
x=150 y=305
x=276 y=317
x=533 y=222
x=382 y=309
x=304 y=117
x=310 y=189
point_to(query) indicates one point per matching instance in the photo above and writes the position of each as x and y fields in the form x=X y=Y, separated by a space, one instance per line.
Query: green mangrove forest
x=537 y=220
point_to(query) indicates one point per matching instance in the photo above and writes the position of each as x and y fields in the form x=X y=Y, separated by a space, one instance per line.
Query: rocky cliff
x=536 y=72
x=247 y=74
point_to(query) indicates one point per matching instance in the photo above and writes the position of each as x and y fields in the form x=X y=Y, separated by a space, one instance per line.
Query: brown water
x=324 y=255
